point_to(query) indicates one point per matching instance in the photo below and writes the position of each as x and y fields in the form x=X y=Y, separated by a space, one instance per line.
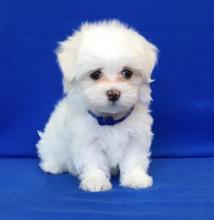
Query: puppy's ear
x=67 y=56
x=149 y=60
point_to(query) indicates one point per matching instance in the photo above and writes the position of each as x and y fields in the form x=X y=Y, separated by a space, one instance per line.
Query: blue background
x=183 y=93
x=183 y=109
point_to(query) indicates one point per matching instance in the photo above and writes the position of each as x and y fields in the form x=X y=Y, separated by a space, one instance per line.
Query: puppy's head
x=111 y=63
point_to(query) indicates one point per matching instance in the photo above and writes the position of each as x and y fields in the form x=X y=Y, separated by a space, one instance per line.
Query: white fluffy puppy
x=102 y=125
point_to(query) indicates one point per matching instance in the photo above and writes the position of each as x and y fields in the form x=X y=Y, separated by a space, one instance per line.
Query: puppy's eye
x=127 y=74
x=96 y=75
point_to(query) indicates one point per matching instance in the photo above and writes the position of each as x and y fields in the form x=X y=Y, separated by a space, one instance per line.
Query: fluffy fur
x=72 y=140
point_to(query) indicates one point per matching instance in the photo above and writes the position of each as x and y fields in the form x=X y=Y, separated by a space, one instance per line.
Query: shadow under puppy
x=103 y=122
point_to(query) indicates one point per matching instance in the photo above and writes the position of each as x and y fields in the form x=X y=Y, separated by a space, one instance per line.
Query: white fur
x=72 y=140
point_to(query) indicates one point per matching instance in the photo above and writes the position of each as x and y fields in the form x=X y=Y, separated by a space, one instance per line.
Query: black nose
x=113 y=95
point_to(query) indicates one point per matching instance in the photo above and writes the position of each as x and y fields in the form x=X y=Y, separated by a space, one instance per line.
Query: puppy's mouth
x=113 y=104
x=112 y=108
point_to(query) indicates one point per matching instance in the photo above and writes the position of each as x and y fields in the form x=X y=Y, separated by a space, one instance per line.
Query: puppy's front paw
x=95 y=182
x=136 y=179
x=50 y=167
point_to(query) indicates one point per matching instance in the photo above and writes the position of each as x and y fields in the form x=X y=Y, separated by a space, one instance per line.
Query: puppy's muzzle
x=113 y=95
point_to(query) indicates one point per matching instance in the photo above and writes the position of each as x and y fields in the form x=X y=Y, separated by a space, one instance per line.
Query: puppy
x=102 y=126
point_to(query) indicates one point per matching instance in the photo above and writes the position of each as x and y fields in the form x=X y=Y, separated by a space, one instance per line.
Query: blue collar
x=109 y=120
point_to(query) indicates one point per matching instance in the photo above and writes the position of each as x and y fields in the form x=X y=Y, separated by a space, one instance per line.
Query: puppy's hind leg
x=51 y=166
x=51 y=159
